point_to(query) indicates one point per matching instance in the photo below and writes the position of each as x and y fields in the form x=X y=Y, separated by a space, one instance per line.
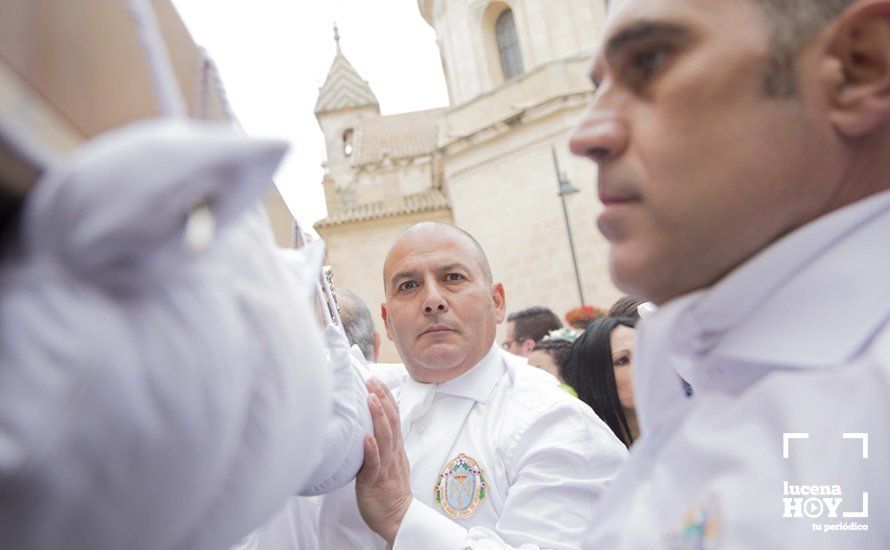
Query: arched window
x=508 y=45
x=347 y=142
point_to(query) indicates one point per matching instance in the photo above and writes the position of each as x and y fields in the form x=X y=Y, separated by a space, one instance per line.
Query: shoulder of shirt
x=538 y=412
x=879 y=349
x=534 y=391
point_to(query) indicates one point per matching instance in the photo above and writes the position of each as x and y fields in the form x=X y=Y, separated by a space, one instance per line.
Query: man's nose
x=601 y=135
x=433 y=301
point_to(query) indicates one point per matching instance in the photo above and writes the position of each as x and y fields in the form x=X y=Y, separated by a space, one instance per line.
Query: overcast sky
x=273 y=55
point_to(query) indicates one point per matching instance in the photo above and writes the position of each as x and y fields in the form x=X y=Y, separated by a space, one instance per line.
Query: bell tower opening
x=347 y=142
x=508 y=45
x=501 y=37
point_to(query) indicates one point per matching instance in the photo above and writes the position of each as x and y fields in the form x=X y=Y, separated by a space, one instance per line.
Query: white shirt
x=544 y=456
x=795 y=341
x=153 y=396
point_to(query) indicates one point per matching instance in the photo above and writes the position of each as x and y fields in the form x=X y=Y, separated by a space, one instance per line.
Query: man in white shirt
x=496 y=450
x=742 y=148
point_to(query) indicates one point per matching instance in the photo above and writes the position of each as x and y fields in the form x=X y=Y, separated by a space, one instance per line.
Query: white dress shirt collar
x=477 y=383
x=764 y=313
x=765 y=310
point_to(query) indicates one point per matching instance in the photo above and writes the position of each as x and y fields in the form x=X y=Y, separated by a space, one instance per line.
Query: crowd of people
x=594 y=364
x=171 y=380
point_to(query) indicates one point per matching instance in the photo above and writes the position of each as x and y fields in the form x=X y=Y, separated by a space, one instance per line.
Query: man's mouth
x=614 y=215
x=614 y=198
x=433 y=329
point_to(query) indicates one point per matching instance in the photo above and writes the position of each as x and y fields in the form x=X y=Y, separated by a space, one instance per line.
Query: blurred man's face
x=517 y=346
x=698 y=168
x=441 y=311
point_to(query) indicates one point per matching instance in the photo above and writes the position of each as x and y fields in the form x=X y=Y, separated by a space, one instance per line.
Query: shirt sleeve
x=423 y=527
x=560 y=464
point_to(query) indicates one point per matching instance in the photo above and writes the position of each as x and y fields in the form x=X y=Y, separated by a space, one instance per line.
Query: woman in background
x=600 y=369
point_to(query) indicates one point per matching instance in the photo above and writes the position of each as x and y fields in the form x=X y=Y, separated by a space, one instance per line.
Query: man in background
x=358 y=324
x=473 y=446
x=527 y=327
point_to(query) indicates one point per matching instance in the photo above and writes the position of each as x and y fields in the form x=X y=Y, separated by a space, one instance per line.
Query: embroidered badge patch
x=461 y=487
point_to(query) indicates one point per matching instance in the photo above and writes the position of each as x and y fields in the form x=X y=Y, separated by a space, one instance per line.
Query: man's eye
x=408 y=285
x=645 y=63
x=454 y=277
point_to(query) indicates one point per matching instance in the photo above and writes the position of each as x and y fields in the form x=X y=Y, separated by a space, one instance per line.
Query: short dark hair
x=793 y=23
x=626 y=306
x=534 y=322
x=357 y=321
x=589 y=370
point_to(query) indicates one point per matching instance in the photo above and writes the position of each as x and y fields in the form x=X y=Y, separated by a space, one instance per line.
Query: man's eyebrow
x=414 y=274
x=407 y=274
x=642 y=31
x=454 y=265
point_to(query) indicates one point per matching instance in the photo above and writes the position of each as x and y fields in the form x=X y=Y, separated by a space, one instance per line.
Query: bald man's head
x=438 y=228
x=442 y=307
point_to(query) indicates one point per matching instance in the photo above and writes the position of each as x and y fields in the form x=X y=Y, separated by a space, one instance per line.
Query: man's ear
x=500 y=303
x=860 y=42
x=383 y=313
x=528 y=345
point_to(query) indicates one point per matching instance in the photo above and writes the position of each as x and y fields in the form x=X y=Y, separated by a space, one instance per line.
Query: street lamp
x=566 y=188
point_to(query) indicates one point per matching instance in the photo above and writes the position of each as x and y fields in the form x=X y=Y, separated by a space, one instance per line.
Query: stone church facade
x=517 y=83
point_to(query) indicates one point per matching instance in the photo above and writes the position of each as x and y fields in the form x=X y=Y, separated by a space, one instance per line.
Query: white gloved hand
x=359 y=361
x=338 y=346
x=343 y=452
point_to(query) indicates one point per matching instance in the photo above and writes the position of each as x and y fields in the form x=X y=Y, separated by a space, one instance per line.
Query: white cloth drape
x=153 y=396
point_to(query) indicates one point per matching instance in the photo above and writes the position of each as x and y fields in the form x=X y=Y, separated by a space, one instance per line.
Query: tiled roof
x=343 y=88
x=426 y=201
x=397 y=136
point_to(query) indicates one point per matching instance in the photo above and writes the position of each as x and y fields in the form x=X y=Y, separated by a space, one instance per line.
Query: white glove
x=359 y=361
x=343 y=445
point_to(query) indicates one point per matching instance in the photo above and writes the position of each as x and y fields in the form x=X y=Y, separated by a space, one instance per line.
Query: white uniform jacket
x=786 y=442
x=499 y=455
